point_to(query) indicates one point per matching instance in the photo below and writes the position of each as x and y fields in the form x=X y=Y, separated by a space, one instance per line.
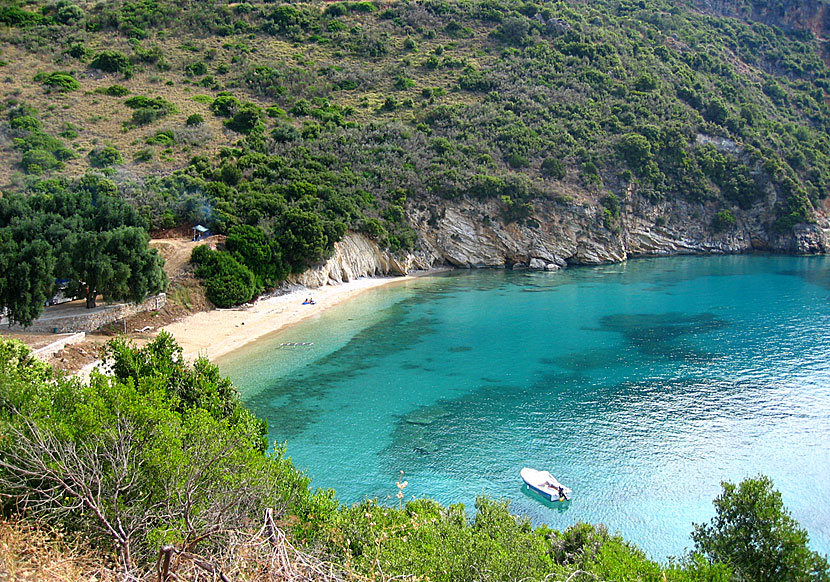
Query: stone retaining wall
x=80 y=320
x=58 y=345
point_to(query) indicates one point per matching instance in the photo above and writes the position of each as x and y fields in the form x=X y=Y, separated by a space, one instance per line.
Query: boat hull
x=543 y=493
x=545 y=484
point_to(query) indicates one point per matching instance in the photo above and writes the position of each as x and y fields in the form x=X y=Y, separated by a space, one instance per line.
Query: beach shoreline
x=218 y=332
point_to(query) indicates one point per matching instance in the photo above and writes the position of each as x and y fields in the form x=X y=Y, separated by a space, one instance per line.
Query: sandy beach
x=215 y=333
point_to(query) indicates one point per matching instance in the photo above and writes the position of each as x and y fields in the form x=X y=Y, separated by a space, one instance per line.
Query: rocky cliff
x=812 y=15
x=470 y=234
x=357 y=256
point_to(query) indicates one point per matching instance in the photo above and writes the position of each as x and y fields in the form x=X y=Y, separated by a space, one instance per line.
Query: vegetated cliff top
x=359 y=111
x=801 y=15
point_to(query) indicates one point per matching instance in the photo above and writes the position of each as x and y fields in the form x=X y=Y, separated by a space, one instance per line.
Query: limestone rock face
x=807 y=239
x=357 y=256
x=474 y=234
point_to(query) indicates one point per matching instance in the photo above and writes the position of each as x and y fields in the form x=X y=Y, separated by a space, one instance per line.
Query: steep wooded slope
x=590 y=130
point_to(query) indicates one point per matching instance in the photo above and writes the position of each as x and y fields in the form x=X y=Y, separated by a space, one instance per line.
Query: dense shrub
x=196 y=69
x=69 y=13
x=225 y=105
x=262 y=256
x=26 y=123
x=112 y=62
x=77 y=51
x=40 y=152
x=424 y=539
x=645 y=82
x=246 y=118
x=63 y=82
x=105 y=157
x=162 y=138
x=148 y=109
x=611 y=212
x=635 y=149
x=37 y=161
x=724 y=220
x=284 y=132
x=474 y=80
x=15 y=16
x=303 y=239
x=113 y=91
x=553 y=168
x=796 y=209
x=142 y=102
x=227 y=281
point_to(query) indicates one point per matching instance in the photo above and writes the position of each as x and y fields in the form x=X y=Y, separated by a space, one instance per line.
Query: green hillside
x=307 y=119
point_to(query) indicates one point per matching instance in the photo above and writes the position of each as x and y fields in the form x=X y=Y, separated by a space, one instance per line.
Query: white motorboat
x=545 y=484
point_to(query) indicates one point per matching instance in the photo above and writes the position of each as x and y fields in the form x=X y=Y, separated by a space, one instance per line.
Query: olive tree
x=81 y=232
x=118 y=264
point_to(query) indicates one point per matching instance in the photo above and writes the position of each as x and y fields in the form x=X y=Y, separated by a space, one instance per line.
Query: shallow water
x=641 y=386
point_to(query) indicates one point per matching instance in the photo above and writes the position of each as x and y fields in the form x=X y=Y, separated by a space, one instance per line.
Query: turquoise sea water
x=641 y=386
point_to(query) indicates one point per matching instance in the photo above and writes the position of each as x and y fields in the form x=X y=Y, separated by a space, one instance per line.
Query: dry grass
x=38 y=553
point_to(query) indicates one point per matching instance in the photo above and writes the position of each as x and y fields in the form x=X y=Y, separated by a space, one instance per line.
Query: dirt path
x=176 y=253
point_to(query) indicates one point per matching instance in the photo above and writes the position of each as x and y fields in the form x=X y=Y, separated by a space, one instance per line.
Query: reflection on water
x=640 y=386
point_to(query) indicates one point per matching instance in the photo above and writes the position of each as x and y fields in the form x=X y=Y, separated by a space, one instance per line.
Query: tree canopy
x=158 y=453
x=754 y=534
x=79 y=231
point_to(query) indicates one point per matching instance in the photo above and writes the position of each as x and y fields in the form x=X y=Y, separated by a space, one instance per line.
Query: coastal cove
x=640 y=385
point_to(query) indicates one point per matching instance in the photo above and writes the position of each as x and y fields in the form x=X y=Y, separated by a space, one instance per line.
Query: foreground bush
x=159 y=453
x=755 y=534
x=426 y=540
x=33 y=550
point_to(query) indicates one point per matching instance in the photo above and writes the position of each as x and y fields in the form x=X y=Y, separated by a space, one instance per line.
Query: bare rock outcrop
x=473 y=234
x=357 y=256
